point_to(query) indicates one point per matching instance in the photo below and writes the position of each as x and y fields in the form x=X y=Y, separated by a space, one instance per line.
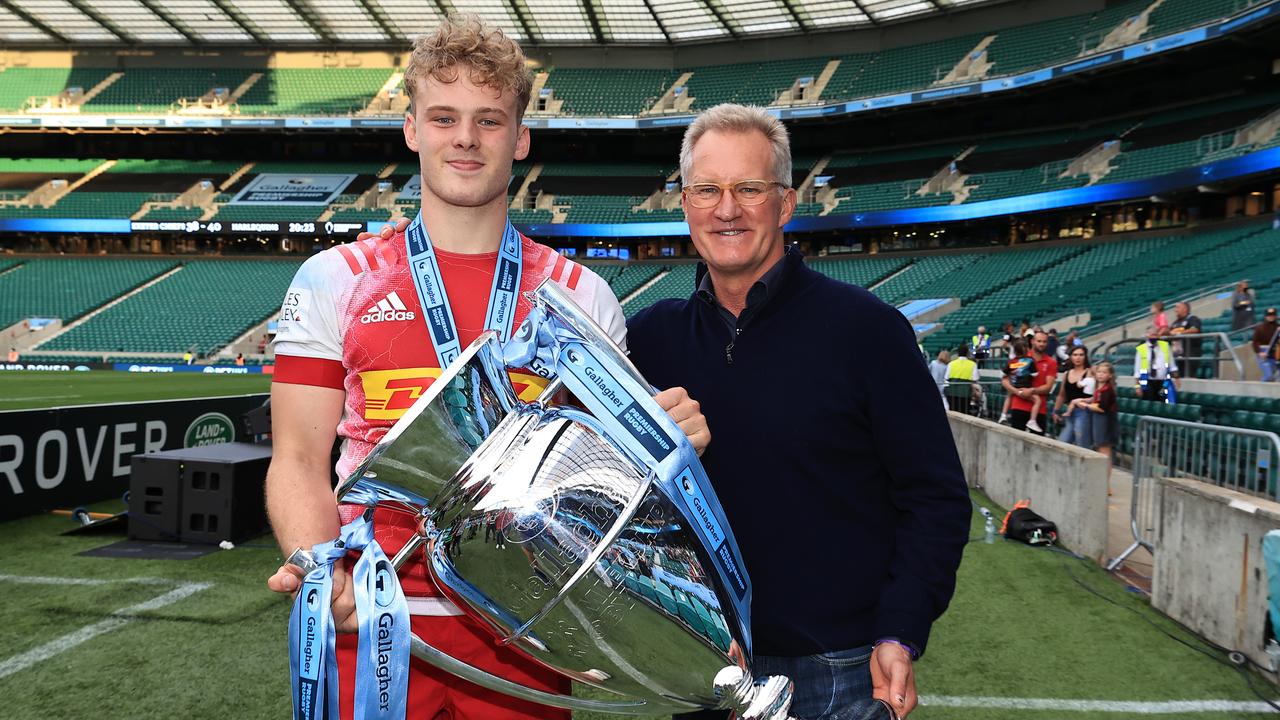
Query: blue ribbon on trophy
x=382 y=664
x=548 y=345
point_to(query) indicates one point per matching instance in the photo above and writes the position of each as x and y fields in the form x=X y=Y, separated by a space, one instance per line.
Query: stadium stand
x=607 y=192
x=18 y=84
x=67 y=288
x=629 y=91
x=677 y=282
x=156 y=90
x=188 y=308
x=748 y=84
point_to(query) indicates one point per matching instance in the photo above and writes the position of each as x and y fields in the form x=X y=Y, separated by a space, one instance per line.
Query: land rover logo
x=209 y=429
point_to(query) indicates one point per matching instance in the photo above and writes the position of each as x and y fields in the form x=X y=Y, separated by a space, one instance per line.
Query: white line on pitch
x=1169 y=707
x=15 y=398
x=42 y=580
x=118 y=619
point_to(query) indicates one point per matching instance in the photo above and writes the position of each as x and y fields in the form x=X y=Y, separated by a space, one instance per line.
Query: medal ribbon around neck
x=425 y=269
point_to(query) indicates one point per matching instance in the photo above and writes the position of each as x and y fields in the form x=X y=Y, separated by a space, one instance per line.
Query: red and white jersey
x=351 y=320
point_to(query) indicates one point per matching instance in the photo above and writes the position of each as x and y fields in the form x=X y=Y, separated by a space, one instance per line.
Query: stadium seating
x=17 y=84
x=67 y=288
x=748 y=83
x=677 y=282
x=156 y=90
x=864 y=273
x=81 y=204
x=626 y=92
x=314 y=91
x=189 y=308
x=1179 y=14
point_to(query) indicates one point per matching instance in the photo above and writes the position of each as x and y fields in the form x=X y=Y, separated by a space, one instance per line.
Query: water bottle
x=989 y=527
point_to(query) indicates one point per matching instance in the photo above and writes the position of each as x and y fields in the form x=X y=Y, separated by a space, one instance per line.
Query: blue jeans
x=1268 y=366
x=1076 y=427
x=830 y=686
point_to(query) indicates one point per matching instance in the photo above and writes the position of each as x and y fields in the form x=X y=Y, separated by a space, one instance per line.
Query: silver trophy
x=538 y=524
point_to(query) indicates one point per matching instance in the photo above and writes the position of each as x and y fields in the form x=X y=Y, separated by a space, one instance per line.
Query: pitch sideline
x=117 y=620
x=124 y=616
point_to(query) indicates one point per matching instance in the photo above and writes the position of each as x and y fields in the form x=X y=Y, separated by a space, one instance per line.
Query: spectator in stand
x=1159 y=320
x=1026 y=406
x=240 y=359
x=13 y=355
x=938 y=369
x=1052 y=348
x=981 y=344
x=1184 y=323
x=1242 y=307
x=1152 y=365
x=1102 y=411
x=1077 y=382
x=1008 y=333
x=962 y=371
x=1070 y=342
x=1265 y=346
x=1016 y=370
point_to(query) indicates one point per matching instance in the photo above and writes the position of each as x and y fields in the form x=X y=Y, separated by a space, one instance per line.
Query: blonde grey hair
x=729 y=117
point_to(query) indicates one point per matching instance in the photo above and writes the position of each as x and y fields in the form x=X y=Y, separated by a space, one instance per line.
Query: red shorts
x=437 y=695
x=433 y=693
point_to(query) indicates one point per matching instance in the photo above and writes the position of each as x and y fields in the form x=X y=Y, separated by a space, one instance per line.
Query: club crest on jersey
x=388 y=309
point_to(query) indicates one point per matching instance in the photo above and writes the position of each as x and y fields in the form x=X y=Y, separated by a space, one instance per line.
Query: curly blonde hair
x=491 y=58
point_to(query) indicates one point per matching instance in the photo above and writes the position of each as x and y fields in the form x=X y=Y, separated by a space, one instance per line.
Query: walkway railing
x=1235 y=458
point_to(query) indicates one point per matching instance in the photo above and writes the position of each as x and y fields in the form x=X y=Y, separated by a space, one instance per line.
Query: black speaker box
x=199 y=495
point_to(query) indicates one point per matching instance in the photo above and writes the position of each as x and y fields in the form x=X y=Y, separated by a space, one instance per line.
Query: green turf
x=1018 y=627
x=28 y=390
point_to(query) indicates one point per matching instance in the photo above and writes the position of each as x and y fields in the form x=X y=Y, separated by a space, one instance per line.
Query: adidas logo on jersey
x=388 y=308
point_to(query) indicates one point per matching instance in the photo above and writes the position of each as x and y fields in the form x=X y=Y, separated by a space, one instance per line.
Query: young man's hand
x=288 y=578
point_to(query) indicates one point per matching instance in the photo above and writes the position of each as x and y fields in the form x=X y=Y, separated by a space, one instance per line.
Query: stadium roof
x=278 y=23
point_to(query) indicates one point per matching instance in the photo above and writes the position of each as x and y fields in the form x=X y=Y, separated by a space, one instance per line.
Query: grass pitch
x=1020 y=627
x=22 y=390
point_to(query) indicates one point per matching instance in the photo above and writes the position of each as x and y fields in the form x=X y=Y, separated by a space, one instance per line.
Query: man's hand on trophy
x=688 y=415
x=387 y=231
x=893 y=679
x=288 y=579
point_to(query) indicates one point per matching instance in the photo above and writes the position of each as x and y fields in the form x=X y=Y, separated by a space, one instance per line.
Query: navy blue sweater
x=830 y=452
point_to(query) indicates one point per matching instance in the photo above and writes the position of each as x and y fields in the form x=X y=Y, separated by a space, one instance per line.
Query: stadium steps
x=674 y=282
x=66 y=287
x=96 y=311
x=244 y=87
x=101 y=87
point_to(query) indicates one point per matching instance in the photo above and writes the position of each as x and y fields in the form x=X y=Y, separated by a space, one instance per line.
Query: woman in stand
x=1102 y=410
x=1077 y=383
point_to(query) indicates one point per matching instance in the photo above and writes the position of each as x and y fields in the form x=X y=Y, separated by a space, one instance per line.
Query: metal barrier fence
x=1230 y=457
x=988 y=402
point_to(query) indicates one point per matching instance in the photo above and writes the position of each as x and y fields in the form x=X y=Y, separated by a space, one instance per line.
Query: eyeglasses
x=745 y=192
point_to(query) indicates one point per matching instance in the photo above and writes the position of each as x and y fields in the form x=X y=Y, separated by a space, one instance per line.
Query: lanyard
x=425 y=270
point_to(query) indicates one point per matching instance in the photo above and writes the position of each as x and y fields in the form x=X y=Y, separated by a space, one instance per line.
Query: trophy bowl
x=548 y=532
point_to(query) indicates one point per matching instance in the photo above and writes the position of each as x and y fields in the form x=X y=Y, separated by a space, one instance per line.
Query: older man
x=810 y=431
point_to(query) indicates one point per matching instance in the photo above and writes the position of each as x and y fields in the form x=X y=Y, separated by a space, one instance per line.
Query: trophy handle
x=427 y=653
